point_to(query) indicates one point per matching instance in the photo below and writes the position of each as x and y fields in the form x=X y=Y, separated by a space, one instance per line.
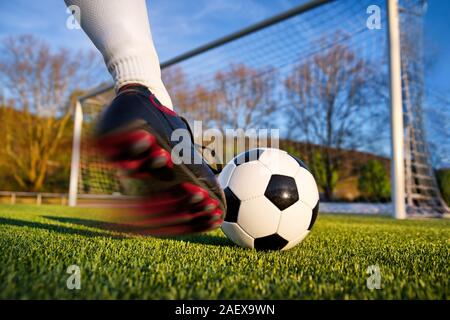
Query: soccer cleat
x=134 y=133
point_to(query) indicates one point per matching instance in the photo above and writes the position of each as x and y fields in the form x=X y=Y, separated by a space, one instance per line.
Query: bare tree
x=193 y=102
x=39 y=83
x=175 y=82
x=245 y=97
x=330 y=102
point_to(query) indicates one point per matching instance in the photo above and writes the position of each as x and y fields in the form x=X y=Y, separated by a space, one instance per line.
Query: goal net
x=320 y=74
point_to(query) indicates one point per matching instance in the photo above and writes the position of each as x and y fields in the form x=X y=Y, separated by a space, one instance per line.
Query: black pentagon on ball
x=250 y=155
x=282 y=191
x=300 y=162
x=233 y=204
x=272 y=242
x=315 y=212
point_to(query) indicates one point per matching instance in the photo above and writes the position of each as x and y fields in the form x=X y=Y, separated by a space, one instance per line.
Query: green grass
x=37 y=244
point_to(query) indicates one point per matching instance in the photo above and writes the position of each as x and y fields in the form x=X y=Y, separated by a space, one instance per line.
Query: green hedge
x=443 y=178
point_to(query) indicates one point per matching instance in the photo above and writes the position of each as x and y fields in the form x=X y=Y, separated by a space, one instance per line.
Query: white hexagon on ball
x=307 y=187
x=296 y=241
x=294 y=221
x=249 y=180
x=258 y=217
x=237 y=235
x=279 y=162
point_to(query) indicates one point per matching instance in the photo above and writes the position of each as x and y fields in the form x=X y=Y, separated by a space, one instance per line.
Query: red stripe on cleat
x=160 y=158
x=207 y=205
x=142 y=145
x=197 y=193
x=130 y=164
x=120 y=144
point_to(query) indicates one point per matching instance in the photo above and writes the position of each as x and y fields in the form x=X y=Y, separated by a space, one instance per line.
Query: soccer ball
x=272 y=199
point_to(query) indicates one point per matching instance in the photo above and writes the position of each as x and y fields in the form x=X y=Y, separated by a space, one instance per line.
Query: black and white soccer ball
x=272 y=199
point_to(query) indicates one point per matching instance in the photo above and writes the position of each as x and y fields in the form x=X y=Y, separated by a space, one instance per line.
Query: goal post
x=77 y=141
x=396 y=106
x=75 y=162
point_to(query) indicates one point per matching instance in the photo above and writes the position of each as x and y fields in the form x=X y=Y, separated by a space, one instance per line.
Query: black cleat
x=134 y=133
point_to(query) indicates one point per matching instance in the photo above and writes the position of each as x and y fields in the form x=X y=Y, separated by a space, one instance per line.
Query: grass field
x=37 y=244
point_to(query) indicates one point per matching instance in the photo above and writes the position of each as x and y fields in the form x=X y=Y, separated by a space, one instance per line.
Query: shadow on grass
x=103 y=225
x=203 y=238
x=56 y=228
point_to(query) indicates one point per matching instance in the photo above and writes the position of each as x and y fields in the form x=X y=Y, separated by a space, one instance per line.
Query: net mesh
x=322 y=78
x=95 y=175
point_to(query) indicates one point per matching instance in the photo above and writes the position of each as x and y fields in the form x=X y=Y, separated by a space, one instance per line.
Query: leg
x=121 y=32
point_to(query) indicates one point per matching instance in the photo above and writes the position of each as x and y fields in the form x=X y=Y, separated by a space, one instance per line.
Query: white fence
x=356 y=208
x=38 y=196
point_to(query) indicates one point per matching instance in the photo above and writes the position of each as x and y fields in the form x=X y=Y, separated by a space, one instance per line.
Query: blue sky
x=178 y=26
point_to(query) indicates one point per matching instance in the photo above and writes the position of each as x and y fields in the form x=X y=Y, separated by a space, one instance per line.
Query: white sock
x=121 y=32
